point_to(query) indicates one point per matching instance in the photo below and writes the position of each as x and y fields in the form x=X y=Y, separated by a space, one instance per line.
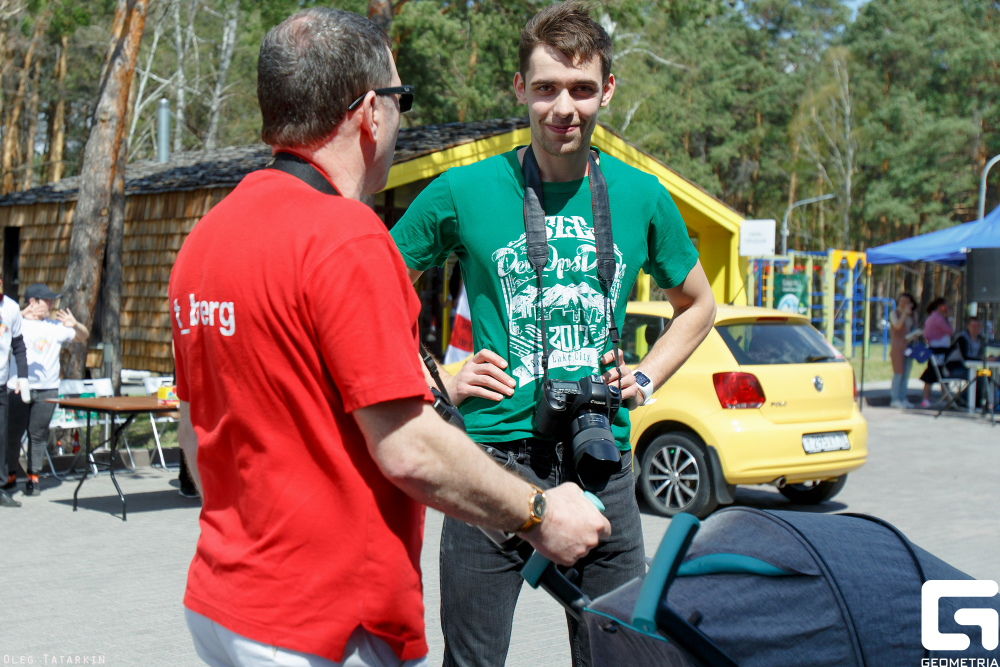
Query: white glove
x=24 y=387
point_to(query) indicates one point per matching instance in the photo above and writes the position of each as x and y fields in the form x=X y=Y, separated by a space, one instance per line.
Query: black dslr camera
x=583 y=408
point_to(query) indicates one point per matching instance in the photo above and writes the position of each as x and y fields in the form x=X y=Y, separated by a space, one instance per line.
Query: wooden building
x=165 y=200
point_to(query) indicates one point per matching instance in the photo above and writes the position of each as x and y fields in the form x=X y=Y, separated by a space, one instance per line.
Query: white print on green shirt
x=575 y=309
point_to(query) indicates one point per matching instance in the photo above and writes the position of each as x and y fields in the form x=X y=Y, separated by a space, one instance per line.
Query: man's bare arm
x=694 y=315
x=438 y=465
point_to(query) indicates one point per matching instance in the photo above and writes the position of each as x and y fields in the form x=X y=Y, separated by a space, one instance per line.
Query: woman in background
x=902 y=329
x=937 y=332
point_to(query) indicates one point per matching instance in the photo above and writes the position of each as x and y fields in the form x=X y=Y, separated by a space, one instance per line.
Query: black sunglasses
x=405 y=97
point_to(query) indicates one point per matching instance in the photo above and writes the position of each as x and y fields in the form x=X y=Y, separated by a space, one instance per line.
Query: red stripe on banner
x=461 y=334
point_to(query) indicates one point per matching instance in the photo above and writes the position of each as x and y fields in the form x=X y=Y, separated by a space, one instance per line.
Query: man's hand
x=482 y=376
x=65 y=316
x=614 y=361
x=571 y=528
x=33 y=311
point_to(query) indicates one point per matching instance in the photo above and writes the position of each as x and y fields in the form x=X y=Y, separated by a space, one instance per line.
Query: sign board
x=757 y=238
x=791 y=293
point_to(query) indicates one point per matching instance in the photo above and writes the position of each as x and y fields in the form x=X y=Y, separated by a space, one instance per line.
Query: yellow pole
x=849 y=313
x=829 y=294
x=769 y=285
x=446 y=305
x=809 y=287
x=868 y=310
x=643 y=287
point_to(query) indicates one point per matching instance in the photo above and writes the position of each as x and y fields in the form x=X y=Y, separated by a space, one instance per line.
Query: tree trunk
x=12 y=136
x=111 y=286
x=32 y=118
x=229 y=30
x=142 y=100
x=101 y=162
x=380 y=12
x=57 y=137
x=180 y=79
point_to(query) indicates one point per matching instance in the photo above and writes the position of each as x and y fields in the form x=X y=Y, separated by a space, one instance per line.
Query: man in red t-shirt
x=304 y=410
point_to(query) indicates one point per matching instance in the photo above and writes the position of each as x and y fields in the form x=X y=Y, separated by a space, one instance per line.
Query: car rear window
x=639 y=334
x=764 y=342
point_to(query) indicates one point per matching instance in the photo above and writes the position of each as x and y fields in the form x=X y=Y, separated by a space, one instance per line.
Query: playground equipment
x=830 y=287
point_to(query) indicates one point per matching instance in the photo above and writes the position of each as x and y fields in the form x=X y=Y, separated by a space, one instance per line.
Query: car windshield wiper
x=820 y=357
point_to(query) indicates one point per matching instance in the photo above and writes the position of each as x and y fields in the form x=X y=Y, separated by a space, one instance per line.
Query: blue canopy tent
x=945 y=246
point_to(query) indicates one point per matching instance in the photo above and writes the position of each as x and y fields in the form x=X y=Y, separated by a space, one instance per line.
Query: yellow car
x=765 y=399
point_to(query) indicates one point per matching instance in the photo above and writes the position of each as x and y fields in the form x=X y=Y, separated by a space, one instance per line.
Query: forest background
x=891 y=105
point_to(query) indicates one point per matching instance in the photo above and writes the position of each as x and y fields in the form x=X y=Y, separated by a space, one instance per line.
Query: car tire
x=813 y=493
x=674 y=476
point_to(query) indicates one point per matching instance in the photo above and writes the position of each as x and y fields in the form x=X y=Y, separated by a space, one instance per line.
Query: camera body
x=583 y=410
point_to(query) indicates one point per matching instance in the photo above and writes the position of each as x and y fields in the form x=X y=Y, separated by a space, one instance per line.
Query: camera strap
x=538 y=246
x=303 y=170
x=431 y=365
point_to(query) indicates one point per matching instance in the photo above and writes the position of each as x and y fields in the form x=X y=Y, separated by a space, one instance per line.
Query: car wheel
x=674 y=476
x=813 y=493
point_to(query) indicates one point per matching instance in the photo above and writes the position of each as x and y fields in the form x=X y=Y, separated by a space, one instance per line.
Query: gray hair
x=311 y=67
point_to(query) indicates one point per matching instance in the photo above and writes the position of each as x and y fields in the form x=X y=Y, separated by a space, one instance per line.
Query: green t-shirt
x=477 y=212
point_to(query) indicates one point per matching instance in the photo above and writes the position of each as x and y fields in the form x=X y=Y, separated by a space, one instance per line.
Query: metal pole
x=788 y=211
x=163 y=131
x=982 y=186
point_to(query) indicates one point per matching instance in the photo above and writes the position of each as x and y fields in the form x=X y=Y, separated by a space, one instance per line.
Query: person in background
x=45 y=331
x=970 y=343
x=305 y=413
x=902 y=329
x=937 y=332
x=185 y=484
x=11 y=345
x=969 y=350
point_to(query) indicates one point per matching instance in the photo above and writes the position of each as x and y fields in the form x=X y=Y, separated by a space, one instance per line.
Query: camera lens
x=595 y=453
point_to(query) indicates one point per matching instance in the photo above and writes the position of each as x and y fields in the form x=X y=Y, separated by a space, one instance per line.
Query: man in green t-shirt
x=478 y=212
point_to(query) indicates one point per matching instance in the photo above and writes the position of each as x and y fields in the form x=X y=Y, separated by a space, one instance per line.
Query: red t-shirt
x=291 y=309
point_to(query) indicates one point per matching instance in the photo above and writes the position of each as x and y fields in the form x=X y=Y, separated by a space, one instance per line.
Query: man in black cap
x=45 y=331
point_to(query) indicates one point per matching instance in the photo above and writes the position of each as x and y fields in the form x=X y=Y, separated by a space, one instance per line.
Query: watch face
x=538 y=505
x=641 y=378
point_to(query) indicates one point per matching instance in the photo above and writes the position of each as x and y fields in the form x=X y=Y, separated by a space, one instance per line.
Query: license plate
x=814 y=443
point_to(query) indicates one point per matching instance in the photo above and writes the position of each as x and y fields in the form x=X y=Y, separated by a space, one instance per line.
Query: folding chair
x=954 y=382
x=152 y=384
x=65 y=420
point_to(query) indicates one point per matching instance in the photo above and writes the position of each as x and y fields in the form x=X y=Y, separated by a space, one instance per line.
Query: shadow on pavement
x=766 y=499
x=150 y=501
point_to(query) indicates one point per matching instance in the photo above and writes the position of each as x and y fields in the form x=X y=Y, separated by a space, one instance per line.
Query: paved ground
x=86 y=585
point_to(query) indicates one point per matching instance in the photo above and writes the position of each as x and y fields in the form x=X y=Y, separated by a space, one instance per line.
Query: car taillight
x=854 y=381
x=738 y=390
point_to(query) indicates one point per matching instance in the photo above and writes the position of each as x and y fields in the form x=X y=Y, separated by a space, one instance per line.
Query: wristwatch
x=645 y=386
x=536 y=510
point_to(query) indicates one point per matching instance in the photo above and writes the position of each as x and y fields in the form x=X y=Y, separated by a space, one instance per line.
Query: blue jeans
x=480 y=582
x=901 y=382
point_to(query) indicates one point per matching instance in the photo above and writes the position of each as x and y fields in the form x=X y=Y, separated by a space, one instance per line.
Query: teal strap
x=730 y=564
x=594 y=499
x=663 y=570
x=534 y=569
